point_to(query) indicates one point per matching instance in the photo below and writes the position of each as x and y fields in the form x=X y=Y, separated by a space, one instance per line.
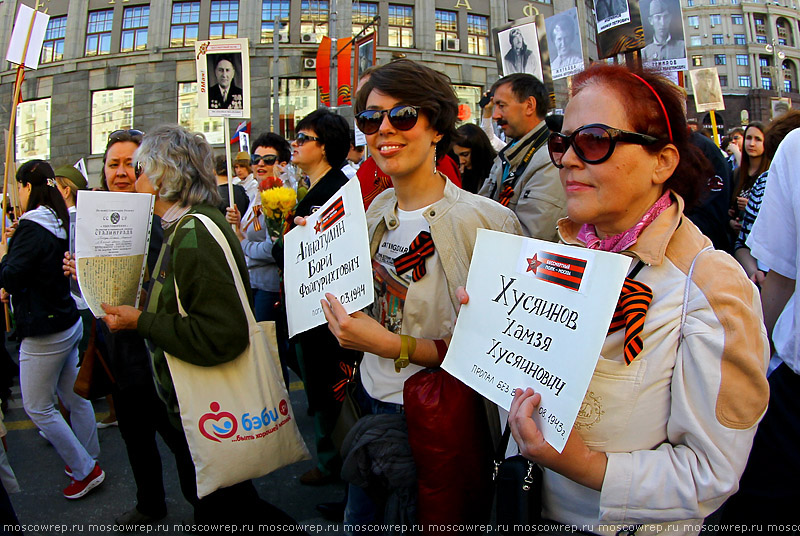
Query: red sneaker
x=79 y=488
x=68 y=471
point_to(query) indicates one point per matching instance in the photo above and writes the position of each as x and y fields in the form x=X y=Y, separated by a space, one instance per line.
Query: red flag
x=344 y=71
x=324 y=71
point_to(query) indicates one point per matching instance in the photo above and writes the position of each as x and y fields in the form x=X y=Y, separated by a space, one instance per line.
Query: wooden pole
x=227 y=133
x=714 y=126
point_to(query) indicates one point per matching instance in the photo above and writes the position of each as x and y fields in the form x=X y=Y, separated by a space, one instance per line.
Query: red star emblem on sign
x=318 y=226
x=533 y=264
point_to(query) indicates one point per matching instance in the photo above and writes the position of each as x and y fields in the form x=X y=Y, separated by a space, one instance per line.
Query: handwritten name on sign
x=537 y=317
x=328 y=254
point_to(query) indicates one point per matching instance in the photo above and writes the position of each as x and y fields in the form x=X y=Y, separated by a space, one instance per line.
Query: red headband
x=663 y=108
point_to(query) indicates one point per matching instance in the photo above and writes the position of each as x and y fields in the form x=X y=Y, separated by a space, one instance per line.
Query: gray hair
x=180 y=164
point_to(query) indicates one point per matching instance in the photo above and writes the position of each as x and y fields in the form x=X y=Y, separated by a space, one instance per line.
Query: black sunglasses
x=138 y=169
x=268 y=159
x=401 y=117
x=303 y=138
x=124 y=135
x=593 y=143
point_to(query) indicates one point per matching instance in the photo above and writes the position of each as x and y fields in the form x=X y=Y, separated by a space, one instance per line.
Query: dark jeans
x=142 y=414
x=769 y=491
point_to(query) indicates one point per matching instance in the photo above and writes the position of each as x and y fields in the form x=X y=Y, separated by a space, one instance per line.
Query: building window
x=211 y=127
x=478 y=35
x=787 y=86
x=224 y=21
x=763 y=62
x=269 y=10
x=720 y=59
x=33 y=129
x=314 y=20
x=762 y=39
x=744 y=80
x=734 y=2
x=694 y=21
x=739 y=39
x=297 y=97
x=766 y=82
x=185 y=24
x=363 y=13
x=53 y=47
x=717 y=39
x=446 y=30
x=742 y=59
x=781 y=41
x=134 y=28
x=723 y=80
x=111 y=110
x=715 y=19
x=737 y=19
x=696 y=41
x=690 y=3
x=98 y=33
x=468 y=96
x=697 y=61
x=712 y=2
x=401 y=26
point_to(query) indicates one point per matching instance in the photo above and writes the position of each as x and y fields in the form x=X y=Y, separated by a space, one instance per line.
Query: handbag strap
x=686 y=292
x=237 y=278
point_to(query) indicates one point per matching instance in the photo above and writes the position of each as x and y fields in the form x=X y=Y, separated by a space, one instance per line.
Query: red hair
x=648 y=96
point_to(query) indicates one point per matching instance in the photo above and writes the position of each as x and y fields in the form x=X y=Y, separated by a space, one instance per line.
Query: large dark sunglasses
x=303 y=138
x=401 y=117
x=593 y=143
x=268 y=159
x=125 y=135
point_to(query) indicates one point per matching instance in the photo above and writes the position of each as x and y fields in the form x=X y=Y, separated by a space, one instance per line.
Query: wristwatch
x=407 y=346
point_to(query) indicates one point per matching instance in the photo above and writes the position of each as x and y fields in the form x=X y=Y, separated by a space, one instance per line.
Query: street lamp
x=777 y=55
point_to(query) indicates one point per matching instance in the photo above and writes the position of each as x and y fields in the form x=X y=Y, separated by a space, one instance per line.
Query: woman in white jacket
x=667 y=423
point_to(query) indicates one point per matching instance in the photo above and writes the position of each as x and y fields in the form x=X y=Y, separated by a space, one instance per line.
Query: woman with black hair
x=475 y=156
x=49 y=326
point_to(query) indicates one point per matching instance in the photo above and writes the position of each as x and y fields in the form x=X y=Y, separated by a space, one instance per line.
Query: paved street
x=41 y=506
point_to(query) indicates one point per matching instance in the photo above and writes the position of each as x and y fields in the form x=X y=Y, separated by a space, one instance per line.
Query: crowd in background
x=680 y=393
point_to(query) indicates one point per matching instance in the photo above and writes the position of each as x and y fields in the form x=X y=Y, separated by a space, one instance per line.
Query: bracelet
x=407 y=346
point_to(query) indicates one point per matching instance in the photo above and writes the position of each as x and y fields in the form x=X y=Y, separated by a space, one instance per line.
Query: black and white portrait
x=365 y=55
x=611 y=13
x=564 y=44
x=663 y=33
x=519 y=50
x=706 y=89
x=224 y=92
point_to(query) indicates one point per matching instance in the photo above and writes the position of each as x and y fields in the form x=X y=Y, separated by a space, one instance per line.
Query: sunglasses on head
x=401 y=117
x=593 y=143
x=268 y=159
x=124 y=135
x=302 y=138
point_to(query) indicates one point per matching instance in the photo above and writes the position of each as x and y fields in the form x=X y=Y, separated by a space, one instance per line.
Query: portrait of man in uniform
x=662 y=44
x=224 y=94
x=564 y=42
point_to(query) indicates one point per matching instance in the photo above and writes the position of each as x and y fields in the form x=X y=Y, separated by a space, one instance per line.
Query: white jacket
x=678 y=423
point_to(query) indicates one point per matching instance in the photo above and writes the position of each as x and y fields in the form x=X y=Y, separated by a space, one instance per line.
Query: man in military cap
x=663 y=46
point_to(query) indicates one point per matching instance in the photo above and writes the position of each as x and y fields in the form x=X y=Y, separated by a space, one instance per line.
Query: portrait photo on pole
x=366 y=55
x=223 y=75
x=517 y=46
x=779 y=106
x=621 y=38
x=706 y=89
x=611 y=13
x=564 y=44
x=665 y=47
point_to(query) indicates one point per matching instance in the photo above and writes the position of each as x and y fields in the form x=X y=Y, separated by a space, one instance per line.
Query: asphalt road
x=42 y=509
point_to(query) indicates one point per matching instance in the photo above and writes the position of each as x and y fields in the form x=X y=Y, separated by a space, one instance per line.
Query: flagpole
x=10 y=160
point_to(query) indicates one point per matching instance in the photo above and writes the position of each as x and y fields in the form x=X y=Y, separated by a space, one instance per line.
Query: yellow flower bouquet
x=277 y=204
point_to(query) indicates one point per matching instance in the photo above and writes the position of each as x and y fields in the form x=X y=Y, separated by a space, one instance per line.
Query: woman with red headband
x=668 y=420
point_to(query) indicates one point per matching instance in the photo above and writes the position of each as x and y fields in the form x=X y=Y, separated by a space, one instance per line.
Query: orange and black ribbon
x=506 y=194
x=630 y=313
x=338 y=388
x=414 y=259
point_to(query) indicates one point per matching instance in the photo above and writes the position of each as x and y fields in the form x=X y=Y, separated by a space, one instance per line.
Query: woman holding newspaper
x=667 y=423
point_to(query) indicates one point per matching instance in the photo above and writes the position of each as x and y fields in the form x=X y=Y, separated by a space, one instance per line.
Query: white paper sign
x=223 y=76
x=112 y=233
x=19 y=35
x=329 y=254
x=361 y=138
x=244 y=142
x=537 y=316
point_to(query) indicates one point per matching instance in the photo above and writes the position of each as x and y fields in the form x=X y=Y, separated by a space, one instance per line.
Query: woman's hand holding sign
x=576 y=462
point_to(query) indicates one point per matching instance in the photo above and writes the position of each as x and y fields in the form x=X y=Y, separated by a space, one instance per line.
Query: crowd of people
x=674 y=417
